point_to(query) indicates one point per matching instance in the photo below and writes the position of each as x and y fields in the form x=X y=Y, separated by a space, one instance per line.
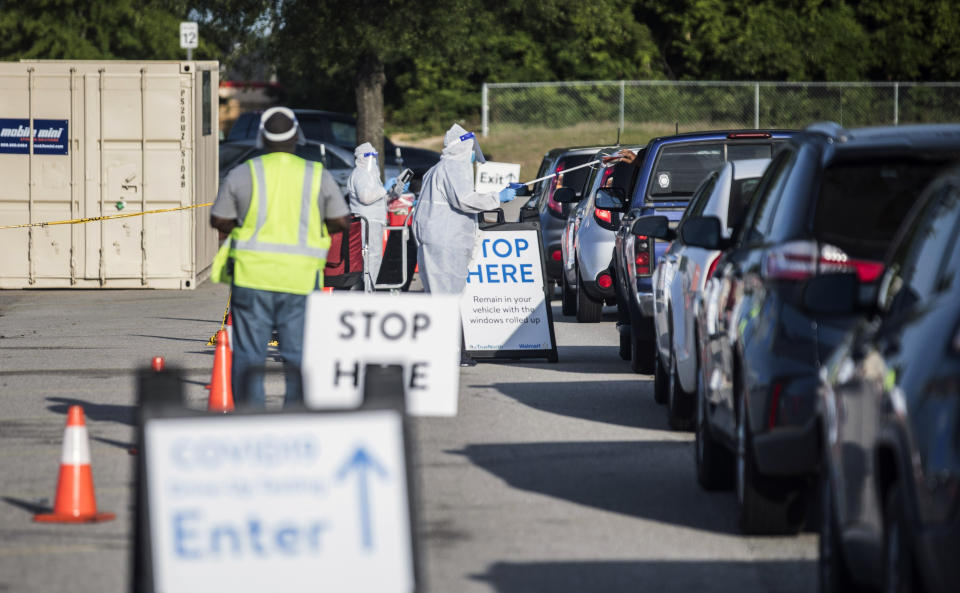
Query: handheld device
x=405 y=176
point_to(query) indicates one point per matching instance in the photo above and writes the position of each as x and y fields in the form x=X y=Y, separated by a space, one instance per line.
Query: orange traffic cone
x=76 y=501
x=221 y=389
x=229 y=328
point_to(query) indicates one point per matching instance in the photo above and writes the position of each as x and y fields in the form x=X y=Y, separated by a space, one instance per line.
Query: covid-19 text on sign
x=346 y=331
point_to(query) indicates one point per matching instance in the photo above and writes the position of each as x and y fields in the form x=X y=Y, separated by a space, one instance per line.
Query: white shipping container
x=108 y=137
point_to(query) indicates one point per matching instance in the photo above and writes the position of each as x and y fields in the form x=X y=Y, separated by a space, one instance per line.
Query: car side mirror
x=702 y=231
x=565 y=195
x=611 y=198
x=832 y=294
x=523 y=191
x=657 y=227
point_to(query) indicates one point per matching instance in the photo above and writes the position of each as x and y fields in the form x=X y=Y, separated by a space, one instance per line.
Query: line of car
x=796 y=297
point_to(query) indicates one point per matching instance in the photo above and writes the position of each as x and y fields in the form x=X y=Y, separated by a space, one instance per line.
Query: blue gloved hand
x=390 y=183
x=507 y=194
x=516 y=186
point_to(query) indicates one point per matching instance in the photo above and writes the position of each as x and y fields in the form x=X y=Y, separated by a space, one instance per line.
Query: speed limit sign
x=189 y=35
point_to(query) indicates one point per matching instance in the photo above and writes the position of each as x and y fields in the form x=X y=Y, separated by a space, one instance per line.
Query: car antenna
x=676 y=129
x=618 y=136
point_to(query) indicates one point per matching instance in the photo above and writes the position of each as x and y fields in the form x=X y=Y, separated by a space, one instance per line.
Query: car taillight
x=603 y=215
x=712 y=268
x=604 y=280
x=554 y=205
x=641 y=250
x=800 y=260
x=556 y=255
x=774 y=403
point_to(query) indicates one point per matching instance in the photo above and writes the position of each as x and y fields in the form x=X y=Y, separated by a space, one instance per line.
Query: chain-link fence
x=609 y=106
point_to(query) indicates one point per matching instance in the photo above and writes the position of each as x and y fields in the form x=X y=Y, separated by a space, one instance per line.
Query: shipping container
x=85 y=139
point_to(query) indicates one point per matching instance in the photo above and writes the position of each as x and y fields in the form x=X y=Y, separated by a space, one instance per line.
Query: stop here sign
x=345 y=331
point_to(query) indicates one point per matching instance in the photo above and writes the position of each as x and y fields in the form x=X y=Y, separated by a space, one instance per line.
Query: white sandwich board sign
x=283 y=502
x=493 y=176
x=505 y=308
x=346 y=330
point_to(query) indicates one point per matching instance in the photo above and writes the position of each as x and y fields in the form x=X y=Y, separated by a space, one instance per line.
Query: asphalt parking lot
x=553 y=477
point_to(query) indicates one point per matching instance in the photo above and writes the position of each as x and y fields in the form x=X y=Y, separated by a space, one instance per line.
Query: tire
x=661 y=382
x=624 y=332
x=641 y=354
x=765 y=506
x=833 y=573
x=899 y=570
x=568 y=297
x=714 y=461
x=678 y=417
x=588 y=310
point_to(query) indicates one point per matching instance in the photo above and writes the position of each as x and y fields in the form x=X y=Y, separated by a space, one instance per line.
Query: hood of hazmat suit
x=445 y=224
x=294 y=130
x=365 y=192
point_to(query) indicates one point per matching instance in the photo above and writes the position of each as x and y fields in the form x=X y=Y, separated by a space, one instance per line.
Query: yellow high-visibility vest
x=282 y=244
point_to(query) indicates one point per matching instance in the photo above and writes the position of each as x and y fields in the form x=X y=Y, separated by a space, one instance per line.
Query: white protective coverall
x=445 y=223
x=368 y=198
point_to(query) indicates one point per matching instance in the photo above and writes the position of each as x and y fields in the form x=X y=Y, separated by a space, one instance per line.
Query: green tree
x=79 y=29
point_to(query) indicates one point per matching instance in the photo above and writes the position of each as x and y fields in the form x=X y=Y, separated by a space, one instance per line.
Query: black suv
x=889 y=407
x=830 y=201
x=341 y=129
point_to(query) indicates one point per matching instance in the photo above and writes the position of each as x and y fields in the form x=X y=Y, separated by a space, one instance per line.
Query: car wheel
x=899 y=570
x=661 y=383
x=833 y=573
x=588 y=310
x=766 y=506
x=677 y=400
x=568 y=297
x=714 y=461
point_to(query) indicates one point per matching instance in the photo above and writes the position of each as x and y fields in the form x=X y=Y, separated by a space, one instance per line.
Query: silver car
x=587 y=246
x=680 y=276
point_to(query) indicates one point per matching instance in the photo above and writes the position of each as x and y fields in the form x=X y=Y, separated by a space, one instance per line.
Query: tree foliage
x=435 y=55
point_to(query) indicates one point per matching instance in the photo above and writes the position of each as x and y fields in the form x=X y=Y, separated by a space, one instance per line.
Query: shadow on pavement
x=203 y=340
x=217 y=321
x=661 y=576
x=625 y=403
x=128 y=447
x=653 y=480
x=31 y=507
x=112 y=412
x=578 y=359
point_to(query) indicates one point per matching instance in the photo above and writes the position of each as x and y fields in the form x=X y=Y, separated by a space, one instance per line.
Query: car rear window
x=861 y=204
x=741 y=192
x=575 y=179
x=680 y=169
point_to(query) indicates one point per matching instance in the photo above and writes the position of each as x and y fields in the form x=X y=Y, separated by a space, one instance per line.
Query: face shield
x=264 y=135
x=455 y=135
x=371 y=160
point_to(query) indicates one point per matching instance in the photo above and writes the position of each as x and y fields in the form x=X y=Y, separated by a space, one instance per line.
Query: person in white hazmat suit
x=367 y=197
x=445 y=223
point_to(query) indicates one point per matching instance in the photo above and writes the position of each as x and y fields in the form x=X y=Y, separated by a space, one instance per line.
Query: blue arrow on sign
x=362 y=463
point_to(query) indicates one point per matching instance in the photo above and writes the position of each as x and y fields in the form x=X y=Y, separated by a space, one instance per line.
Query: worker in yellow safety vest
x=278 y=210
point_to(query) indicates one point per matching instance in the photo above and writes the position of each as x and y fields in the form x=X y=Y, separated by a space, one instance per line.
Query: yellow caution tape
x=213 y=339
x=108 y=217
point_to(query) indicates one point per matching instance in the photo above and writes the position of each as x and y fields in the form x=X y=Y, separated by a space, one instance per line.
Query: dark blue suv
x=669 y=171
